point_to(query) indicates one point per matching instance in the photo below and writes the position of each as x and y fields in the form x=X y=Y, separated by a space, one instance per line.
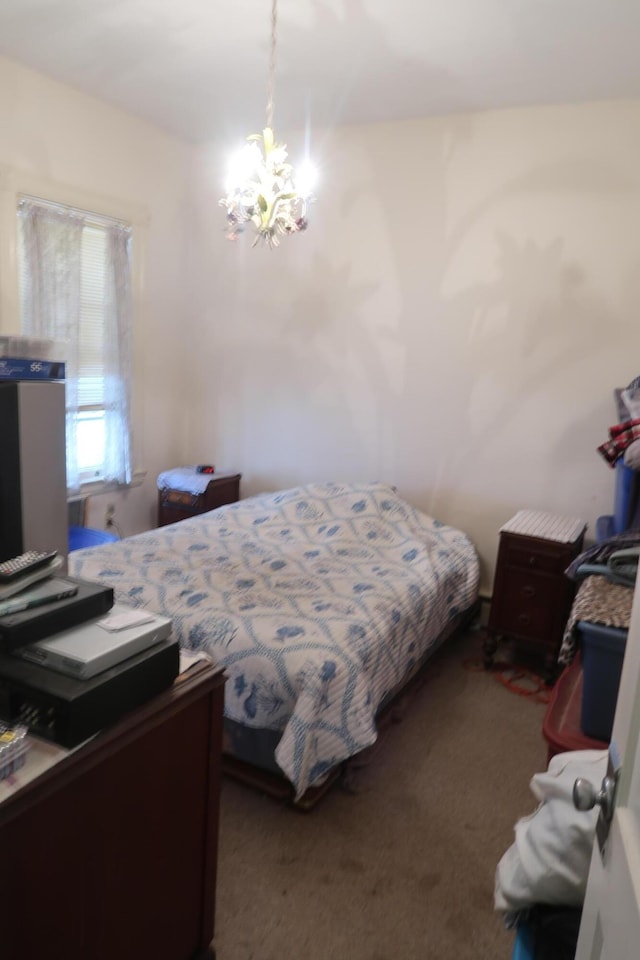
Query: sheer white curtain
x=117 y=357
x=52 y=276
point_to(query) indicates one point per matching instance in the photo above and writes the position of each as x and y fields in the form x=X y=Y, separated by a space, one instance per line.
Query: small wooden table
x=111 y=852
x=176 y=504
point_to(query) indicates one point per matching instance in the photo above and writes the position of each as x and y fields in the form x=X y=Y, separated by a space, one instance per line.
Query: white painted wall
x=53 y=132
x=454 y=321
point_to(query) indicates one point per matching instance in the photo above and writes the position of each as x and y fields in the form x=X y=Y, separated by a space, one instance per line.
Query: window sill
x=96 y=487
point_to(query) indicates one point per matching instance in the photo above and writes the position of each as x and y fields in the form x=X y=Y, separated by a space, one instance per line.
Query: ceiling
x=198 y=68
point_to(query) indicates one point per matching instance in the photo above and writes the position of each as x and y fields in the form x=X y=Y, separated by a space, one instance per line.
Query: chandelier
x=262 y=190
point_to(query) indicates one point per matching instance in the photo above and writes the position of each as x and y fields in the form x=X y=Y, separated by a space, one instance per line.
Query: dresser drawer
x=529 y=555
x=181 y=498
x=524 y=587
x=527 y=605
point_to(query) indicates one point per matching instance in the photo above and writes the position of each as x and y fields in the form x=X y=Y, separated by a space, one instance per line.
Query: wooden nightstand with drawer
x=531 y=594
x=183 y=493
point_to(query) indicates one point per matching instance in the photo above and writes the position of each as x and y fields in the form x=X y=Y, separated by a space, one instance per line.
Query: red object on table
x=561 y=725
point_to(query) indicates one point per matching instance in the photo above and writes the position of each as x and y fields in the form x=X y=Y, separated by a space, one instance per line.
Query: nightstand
x=184 y=493
x=531 y=595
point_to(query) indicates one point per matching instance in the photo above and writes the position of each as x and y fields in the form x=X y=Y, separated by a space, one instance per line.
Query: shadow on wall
x=325 y=380
x=514 y=343
x=383 y=354
x=314 y=381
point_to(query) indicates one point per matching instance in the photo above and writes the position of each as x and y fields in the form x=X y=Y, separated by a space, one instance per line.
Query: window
x=75 y=286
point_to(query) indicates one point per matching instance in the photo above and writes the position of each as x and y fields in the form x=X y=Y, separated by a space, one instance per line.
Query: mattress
x=318 y=601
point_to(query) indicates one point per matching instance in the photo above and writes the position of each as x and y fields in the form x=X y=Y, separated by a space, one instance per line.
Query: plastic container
x=81 y=537
x=523 y=947
x=626 y=504
x=561 y=725
x=602 y=655
x=13 y=748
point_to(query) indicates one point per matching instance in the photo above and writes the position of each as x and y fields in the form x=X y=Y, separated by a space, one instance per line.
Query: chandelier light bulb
x=242 y=168
x=306 y=178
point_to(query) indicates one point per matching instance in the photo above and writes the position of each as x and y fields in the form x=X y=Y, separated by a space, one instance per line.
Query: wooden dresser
x=111 y=852
x=531 y=594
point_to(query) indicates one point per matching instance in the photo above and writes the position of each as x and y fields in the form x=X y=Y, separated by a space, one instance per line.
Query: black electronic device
x=30 y=599
x=37 y=622
x=33 y=483
x=11 y=570
x=68 y=711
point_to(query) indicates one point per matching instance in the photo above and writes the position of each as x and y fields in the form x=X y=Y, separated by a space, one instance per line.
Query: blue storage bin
x=80 y=537
x=523 y=947
x=626 y=504
x=602 y=655
x=626 y=498
x=604 y=528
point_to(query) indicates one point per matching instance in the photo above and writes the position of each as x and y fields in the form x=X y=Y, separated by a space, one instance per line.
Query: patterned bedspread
x=318 y=601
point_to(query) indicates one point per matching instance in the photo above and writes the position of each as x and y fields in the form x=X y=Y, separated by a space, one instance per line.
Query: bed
x=321 y=602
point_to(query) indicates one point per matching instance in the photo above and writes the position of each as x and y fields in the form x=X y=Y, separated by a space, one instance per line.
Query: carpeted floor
x=402 y=867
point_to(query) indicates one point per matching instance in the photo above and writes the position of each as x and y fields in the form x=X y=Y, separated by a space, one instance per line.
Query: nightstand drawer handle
x=524 y=619
x=529 y=591
x=533 y=561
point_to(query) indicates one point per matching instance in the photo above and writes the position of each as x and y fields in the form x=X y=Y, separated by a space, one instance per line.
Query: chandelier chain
x=272 y=64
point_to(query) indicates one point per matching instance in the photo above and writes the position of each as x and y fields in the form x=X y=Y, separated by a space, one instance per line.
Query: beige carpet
x=403 y=867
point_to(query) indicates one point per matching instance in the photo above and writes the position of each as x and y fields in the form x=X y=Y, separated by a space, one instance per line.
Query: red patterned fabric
x=620 y=437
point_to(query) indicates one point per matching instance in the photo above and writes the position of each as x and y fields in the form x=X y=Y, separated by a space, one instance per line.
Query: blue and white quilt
x=318 y=602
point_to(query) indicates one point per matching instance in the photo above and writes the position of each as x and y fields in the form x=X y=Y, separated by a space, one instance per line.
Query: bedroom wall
x=51 y=131
x=454 y=320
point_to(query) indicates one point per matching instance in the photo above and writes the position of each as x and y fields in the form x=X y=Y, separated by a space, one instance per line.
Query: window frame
x=13 y=185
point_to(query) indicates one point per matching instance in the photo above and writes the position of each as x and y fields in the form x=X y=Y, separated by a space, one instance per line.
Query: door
x=610 y=928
